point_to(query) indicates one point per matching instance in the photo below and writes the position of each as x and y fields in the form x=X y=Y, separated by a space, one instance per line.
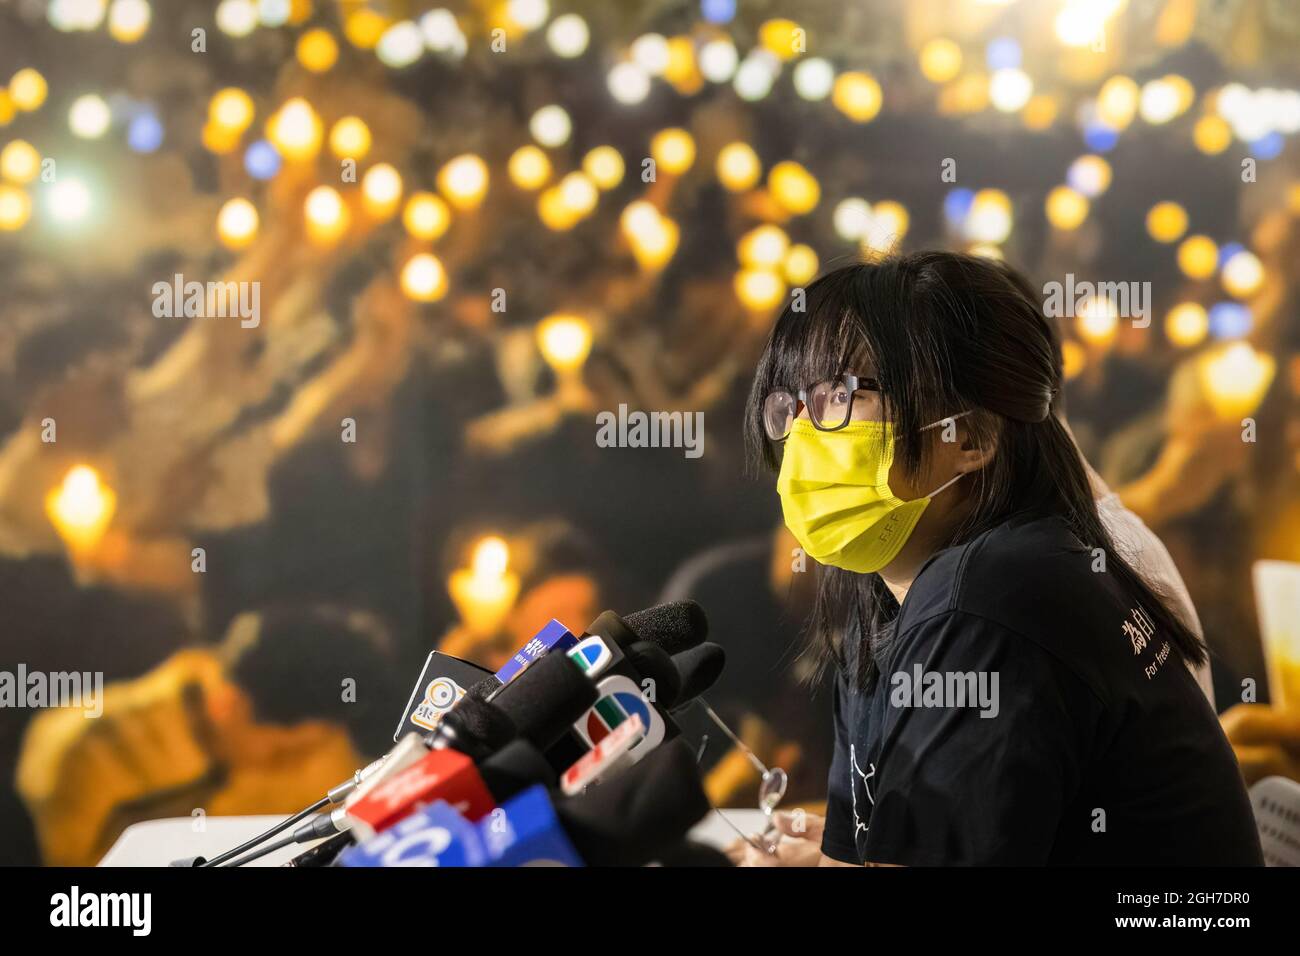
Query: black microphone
x=652 y=663
x=514 y=768
x=474 y=727
x=675 y=627
x=699 y=668
x=631 y=818
x=546 y=699
x=484 y=688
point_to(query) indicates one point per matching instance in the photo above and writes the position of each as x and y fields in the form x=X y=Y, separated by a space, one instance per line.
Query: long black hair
x=947 y=333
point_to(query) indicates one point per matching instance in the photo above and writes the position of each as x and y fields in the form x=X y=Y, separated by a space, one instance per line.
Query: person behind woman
x=1010 y=690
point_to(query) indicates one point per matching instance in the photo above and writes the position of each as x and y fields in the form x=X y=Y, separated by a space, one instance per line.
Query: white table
x=158 y=842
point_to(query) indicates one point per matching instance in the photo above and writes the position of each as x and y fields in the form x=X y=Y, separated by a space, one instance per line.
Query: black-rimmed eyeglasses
x=829 y=404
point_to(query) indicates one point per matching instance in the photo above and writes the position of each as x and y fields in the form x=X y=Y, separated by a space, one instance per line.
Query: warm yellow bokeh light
x=556 y=214
x=364 y=27
x=1117 y=102
x=579 y=193
x=81 y=507
x=652 y=236
x=326 y=215
x=381 y=190
x=464 y=181
x=682 y=70
x=1234 y=379
x=885 y=227
x=219 y=139
x=1187 y=324
x=673 y=151
x=940 y=60
x=350 y=138
x=423 y=278
x=128 y=20
x=1166 y=221
x=529 y=167
x=763 y=247
x=1243 y=274
x=1198 y=257
x=604 y=165
x=490 y=557
x=800 y=266
x=485 y=592
x=426 y=216
x=296 y=130
x=1074 y=358
x=738 y=167
x=1097 y=321
x=1040 y=112
x=237 y=223
x=20 y=162
x=1212 y=134
x=794 y=188
x=15 y=208
x=781 y=37
x=564 y=341
x=1010 y=89
x=857 y=95
x=28 y=89
x=1066 y=208
x=231 y=109
x=990 y=218
x=759 y=289
x=317 y=50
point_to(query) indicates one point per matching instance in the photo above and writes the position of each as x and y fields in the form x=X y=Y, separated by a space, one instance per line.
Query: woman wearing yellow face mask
x=1009 y=689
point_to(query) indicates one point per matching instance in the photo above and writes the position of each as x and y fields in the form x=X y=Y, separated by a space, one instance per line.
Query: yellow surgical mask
x=835 y=496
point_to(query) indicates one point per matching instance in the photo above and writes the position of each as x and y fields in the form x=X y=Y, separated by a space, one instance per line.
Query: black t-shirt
x=1028 y=712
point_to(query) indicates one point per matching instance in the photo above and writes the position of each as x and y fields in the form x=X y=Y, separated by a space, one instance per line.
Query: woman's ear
x=978 y=446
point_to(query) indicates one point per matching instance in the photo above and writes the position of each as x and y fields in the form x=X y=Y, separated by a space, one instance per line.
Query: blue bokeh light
x=261 y=160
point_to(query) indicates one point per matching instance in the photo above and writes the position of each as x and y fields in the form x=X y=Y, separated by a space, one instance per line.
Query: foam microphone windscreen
x=628 y=819
x=514 y=768
x=612 y=628
x=478 y=728
x=674 y=627
x=546 y=699
x=699 y=667
x=652 y=662
x=484 y=688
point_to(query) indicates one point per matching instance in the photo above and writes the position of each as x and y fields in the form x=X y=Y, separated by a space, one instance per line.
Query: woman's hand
x=800 y=843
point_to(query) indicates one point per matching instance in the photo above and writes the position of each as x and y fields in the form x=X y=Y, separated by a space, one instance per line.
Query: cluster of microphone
x=568 y=755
